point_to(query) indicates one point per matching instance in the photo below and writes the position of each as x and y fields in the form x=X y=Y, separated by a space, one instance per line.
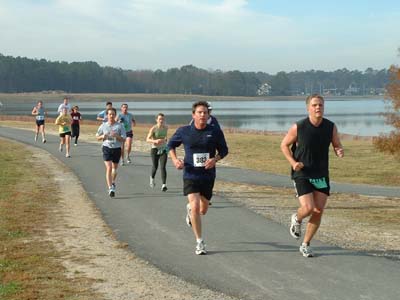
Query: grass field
x=58 y=96
x=362 y=162
x=28 y=264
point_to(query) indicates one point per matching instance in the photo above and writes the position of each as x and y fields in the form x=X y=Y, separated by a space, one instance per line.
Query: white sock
x=199 y=240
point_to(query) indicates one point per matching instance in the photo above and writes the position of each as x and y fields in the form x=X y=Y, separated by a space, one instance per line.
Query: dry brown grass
x=58 y=96
x=362 y=162
x=29 y=266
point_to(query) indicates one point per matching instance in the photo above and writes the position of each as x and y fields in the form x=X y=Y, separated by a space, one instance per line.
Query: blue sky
x=267 y=36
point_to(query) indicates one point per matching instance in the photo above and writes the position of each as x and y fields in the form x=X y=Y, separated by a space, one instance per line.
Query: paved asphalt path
x=249 y=257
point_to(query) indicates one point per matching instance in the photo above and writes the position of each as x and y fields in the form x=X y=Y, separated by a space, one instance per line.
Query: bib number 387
x=199 y=159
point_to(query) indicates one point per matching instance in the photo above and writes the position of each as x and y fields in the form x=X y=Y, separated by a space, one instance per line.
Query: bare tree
x=390 y=143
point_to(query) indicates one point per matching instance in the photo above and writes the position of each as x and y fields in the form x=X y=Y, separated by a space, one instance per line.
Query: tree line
x=21 y=74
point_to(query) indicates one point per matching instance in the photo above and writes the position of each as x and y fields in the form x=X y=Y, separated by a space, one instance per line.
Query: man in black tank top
x=306 y=147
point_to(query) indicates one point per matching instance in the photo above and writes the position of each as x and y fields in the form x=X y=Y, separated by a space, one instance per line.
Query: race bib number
x=199 y=159
x=39 y=118
x=112 y=139
x=319 y=183
x=75 y=118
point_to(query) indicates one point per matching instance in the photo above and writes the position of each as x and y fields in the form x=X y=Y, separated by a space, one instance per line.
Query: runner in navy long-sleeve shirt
x=204 y=145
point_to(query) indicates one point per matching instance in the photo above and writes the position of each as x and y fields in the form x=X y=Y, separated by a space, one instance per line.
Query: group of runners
x=305 y=146
x=68 y=121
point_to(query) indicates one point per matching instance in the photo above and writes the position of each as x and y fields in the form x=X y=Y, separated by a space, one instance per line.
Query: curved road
x=249 y=257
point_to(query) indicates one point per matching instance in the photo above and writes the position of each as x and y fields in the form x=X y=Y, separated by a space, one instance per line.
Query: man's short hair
x=318 y=96
x=113 y=109
x=108 y=103
x=199 y=103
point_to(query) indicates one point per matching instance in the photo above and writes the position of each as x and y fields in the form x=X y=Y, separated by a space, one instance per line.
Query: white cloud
x=160 y=34
x=139 y=27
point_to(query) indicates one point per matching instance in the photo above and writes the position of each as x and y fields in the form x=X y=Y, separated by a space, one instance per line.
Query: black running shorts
x=39 y=122
x=129 y=134
x=305 y=186
x=204 y=187
x=111 y=154
x=65 y=133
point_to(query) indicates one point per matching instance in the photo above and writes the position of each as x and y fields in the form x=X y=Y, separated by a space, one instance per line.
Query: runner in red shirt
x=75 y=125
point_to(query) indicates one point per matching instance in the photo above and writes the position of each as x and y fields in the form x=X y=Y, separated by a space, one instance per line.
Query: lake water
x=359 y=117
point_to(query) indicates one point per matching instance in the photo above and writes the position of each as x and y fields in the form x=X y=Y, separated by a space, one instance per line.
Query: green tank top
x=160 y=133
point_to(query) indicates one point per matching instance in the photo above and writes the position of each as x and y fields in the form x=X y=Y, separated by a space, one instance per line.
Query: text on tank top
x=312 y=148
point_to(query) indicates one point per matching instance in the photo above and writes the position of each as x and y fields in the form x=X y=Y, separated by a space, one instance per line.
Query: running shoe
x=36 y=138
x=128 y=160
x=305 y=249
x=75 y=144
x=122 y=162
x=61 y=148
x=44 y=141
x=152 y=182
x=113 y=186
x=201 y=248
x=188 y=214
x=295 y=227
x=164 y=188
x=67 y=155
x=111 y=192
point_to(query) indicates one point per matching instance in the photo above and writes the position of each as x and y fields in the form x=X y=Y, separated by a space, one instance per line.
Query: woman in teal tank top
x=40 y=114
x=157 y=136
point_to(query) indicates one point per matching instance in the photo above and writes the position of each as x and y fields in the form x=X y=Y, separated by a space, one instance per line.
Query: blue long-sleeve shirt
x=199 y=144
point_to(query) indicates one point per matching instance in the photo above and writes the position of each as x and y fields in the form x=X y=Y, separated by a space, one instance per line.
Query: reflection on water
x=360 y=117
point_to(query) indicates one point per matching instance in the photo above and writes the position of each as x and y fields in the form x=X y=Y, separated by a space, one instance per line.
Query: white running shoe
x=122 y=163
x=67 y=155
x=295 y=227
x=128 y=160
x=152 y=182
x=111 y=192
x=44 y=141
x=36 y=138
x=75 y=144
x=201 y=248
x=306 y=250
x=188 y=214
x=164 y=188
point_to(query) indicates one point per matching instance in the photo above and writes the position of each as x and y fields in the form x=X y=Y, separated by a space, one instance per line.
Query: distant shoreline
x=92 y=97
